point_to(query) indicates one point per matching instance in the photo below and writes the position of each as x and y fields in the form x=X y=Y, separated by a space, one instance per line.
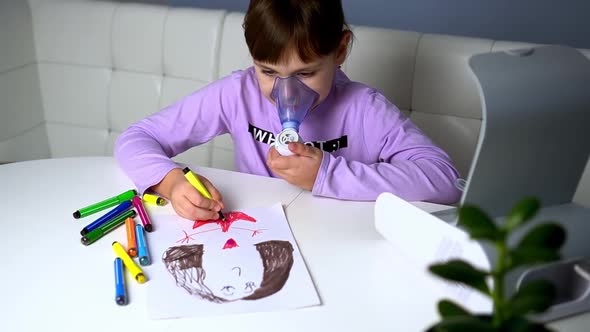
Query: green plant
x=539 y=245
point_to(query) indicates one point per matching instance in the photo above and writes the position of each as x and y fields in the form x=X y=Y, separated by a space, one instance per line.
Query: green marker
x=109 y=226
x=107 y=203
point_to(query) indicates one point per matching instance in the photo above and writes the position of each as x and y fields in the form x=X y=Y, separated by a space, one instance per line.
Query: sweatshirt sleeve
x=407 y=163
x=143 y=150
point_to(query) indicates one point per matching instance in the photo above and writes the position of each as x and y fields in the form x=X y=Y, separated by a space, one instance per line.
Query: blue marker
x=104 y=219
x=142 y=249
x=120 y=296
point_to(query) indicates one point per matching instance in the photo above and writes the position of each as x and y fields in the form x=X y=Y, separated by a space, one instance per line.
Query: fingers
x=276 y=162
x=271 y=155
x=213 y=191
x=279 y=163
x=304 y=150
x=185 y=208
x=299 y=169
x=299 y=148
x=200 y=201
x=190 y=204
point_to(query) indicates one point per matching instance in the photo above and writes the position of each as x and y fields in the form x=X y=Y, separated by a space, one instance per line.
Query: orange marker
x=131 y=242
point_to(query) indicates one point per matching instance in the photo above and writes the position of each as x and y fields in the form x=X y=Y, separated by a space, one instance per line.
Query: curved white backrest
x=75 y=74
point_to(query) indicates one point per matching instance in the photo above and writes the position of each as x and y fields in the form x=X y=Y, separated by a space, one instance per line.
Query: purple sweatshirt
x=368 y=145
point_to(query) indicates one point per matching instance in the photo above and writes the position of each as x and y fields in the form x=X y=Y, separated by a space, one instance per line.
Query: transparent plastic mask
x=293 y=99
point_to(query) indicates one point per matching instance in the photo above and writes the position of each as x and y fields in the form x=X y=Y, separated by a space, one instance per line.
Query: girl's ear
x=342 y=51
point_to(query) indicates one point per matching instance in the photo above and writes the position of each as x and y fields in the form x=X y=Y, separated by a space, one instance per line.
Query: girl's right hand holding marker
x=186 y=200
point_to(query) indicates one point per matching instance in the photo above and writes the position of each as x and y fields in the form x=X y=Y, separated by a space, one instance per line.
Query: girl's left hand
x=300 y=169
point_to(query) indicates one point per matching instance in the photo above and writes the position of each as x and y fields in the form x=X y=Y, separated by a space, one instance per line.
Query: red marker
x=145 y=220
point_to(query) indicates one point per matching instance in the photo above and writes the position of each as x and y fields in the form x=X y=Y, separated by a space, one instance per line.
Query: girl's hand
x=300 y=169
x=186 y=200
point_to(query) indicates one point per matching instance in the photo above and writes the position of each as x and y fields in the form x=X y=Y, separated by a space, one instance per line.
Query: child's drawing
x=230 y=243
x=249 y=262
x=225 y=225
x=185 y=264
x=230 y=218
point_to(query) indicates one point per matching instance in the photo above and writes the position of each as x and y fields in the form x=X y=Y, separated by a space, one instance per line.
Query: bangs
x=273 y=29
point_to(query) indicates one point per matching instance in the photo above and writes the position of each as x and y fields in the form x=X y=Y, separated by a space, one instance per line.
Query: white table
x=50 y=282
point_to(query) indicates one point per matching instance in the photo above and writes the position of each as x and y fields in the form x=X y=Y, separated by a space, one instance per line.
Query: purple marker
x=145 y=220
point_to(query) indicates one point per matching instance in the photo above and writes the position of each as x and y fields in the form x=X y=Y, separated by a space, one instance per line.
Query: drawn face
x=233 y=274
x=223 y=276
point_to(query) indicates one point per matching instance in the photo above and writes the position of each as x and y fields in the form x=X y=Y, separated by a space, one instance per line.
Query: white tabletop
x=52 y=282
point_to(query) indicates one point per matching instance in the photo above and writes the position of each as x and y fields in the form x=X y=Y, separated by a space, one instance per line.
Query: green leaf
x=462 y=324
x=516 y=324
x=549 y=236
x=463 y=272
x=522 y=212
x=478 y=224
x=531 y=256
x=540 y=245
x=448 y=308
x=521 y=324
x=534 y=327
x=533 y=297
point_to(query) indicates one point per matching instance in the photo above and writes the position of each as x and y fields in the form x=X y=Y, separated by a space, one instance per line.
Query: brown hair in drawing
x=185 y=264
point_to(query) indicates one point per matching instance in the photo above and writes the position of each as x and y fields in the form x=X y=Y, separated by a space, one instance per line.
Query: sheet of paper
x=248 y=263
x=427 y=240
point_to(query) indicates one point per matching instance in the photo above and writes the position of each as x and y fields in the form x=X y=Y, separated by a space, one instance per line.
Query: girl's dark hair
x=277 y=260
x=185 y=264
x=312 y=27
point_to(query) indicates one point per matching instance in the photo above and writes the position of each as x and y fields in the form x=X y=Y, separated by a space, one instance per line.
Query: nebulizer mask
x=293 y=100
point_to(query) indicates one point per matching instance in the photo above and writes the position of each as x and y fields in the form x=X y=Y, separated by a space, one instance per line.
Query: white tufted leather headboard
x=75 y=74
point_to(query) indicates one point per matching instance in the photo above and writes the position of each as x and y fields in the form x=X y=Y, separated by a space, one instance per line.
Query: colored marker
x=194 y=180
x=104 y=219
x=144 y=256
x=153 y=199
x=129 y=263
x=145 y=220
x=96 y=234
x=131 y=243
x=107 y=203
x=120 y=294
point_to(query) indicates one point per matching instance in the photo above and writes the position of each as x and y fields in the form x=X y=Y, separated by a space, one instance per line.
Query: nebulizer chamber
x=293 y=100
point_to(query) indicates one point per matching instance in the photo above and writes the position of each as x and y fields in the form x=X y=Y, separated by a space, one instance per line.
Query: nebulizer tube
x=293 y=99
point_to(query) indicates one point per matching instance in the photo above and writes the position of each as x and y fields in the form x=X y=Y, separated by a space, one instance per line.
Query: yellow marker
x=153 y=199
x=194 y=180
x=129 y=263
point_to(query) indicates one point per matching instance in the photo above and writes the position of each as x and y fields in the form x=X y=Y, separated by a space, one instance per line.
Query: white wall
x=22 y=133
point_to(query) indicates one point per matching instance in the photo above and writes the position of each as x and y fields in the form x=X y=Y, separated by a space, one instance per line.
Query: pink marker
x=145 y=220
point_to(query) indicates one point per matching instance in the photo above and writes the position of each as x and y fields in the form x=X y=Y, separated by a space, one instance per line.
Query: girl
x=358 y=144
